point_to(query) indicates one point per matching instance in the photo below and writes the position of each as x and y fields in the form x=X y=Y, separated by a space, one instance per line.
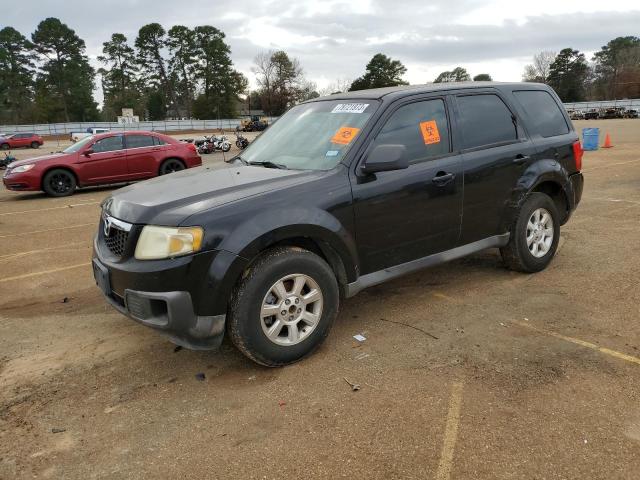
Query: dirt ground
x=528 y=376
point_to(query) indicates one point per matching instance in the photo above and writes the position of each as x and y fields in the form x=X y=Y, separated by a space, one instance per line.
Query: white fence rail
x=48 y=129
x=629 y=104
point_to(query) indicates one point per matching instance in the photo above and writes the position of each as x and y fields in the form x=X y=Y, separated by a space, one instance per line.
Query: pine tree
x=16 y=81
x=119 y=78
x=65 y=84
x=381 y=71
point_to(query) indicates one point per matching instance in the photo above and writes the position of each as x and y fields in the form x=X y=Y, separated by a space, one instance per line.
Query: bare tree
x=281 y=81
x=339 y=85
x=538 y=71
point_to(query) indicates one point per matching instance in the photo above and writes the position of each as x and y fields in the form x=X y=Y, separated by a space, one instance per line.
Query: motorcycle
x=8 y=158
x=241 y=142
x=213 y=143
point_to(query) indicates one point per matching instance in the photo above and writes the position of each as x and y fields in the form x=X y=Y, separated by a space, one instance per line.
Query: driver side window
x=421 y=127
x=108 y=144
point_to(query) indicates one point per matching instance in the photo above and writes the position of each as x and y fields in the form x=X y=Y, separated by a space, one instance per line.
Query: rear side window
x=543 y=113
x=138 y=141
x=485 y=120
x=108 y=144
x=421 y=127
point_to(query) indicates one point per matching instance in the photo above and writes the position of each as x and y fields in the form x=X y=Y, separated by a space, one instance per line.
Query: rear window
x=138 y=141
x=158 y=141
x=485 y=120
x=543 y=113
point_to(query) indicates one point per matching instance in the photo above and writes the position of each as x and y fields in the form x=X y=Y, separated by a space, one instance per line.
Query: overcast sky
x=335 y=39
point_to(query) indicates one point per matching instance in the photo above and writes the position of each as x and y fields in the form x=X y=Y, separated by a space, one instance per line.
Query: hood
x=38 y=159
x=171 y=199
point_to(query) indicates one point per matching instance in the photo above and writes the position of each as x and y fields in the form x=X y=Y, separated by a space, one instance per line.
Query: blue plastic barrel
x=590 y=138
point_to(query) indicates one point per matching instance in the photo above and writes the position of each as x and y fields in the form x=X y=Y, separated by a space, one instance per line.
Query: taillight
x=192 y=147
x=577 y=154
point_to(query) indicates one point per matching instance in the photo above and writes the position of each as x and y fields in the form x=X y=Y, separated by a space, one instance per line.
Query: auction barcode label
x=350 y=108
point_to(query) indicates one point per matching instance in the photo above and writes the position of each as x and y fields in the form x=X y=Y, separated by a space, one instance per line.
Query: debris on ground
x=58 y=430
x=410 y=326
x=65 y=300
x=200 y=376
x=281 y=403
x=360 y=338
x=354 y=386
x=177 y=349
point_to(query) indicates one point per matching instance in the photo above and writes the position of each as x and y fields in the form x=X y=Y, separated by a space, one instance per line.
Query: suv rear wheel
x=35 y=145
x=534 y=235
x=283 y=307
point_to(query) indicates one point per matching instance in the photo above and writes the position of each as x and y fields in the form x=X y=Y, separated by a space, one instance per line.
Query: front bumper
x=22 y=182
x=170 y=313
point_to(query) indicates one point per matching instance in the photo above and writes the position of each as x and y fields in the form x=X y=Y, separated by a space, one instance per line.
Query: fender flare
x=540 y=172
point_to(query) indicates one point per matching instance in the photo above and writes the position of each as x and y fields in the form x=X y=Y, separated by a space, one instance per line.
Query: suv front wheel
x=534 y=235
x=283 y=307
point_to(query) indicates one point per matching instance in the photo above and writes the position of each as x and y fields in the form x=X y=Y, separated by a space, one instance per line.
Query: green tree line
x=183 y=72
x=188 y=73
x=613 y=73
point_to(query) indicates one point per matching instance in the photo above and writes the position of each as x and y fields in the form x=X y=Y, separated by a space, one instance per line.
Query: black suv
x=341 y=193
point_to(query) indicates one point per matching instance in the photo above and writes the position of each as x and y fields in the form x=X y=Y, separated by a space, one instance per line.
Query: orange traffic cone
x=607 y=142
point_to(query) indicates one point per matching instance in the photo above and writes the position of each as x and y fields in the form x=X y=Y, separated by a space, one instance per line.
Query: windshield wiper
x=237 y=158
x=269 y=164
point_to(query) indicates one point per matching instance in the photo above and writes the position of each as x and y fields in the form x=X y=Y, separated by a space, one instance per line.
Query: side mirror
x=385 y=158
x=88 y=152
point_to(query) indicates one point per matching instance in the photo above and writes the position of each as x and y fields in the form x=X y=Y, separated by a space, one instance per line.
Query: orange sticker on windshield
x=344 y=135
x=429 y=130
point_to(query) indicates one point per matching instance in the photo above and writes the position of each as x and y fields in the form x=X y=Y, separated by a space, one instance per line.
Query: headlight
x=164 y=242
x=23 y=168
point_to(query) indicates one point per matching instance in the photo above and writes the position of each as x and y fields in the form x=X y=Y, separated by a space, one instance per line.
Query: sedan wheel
x=170 y=166
x=59 y=183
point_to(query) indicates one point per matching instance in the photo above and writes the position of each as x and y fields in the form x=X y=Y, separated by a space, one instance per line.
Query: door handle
x=521 y=158
x=442 y=178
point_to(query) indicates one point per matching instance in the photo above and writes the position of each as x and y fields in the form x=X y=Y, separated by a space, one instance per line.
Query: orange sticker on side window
x=429 y=130
x=344 y=135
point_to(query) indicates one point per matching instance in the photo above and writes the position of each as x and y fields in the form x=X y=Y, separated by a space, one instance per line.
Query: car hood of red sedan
x=38 y=159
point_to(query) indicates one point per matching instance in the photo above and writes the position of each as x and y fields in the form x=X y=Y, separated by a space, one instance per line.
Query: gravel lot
x=529 y=376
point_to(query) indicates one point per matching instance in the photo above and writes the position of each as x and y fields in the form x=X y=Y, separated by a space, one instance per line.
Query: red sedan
x=102 y=159
x=17 y=140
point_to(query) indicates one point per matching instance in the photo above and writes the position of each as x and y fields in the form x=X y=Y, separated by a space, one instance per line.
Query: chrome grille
x=116 y=234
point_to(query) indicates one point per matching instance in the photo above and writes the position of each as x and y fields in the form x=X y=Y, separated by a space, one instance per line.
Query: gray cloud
x=339 y=41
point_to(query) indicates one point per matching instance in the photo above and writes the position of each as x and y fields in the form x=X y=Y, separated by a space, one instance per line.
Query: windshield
x=78 y=145
x=311 y=136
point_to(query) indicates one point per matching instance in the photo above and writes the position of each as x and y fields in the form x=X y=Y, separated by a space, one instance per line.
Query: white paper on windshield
x=350 y=108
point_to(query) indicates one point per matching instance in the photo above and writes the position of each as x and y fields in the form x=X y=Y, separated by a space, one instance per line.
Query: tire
x=226 y=147
x=35 y=145
x=248 y=328
x=59 y=183
x=4 y=146
x=529 y=249
x=171 y=165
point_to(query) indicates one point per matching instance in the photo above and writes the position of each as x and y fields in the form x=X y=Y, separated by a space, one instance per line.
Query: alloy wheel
x=291 y=309
x=539 y=232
